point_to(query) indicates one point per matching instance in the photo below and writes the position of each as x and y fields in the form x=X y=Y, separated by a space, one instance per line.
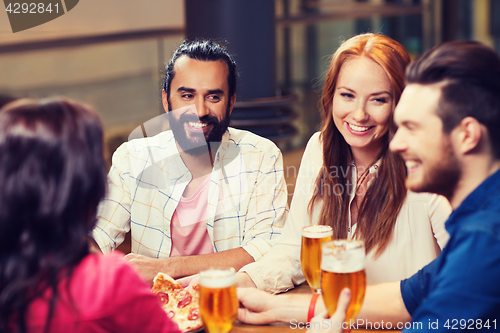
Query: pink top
x=108 y=296
x=188 y=227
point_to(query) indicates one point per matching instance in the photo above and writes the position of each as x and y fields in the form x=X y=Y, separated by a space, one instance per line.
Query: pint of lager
x=218 y=300
x=313 y=236
x=343 y=265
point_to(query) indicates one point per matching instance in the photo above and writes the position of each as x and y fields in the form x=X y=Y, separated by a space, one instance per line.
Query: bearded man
x=201 y=194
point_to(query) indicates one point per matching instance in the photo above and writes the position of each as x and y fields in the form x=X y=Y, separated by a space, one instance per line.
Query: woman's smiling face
x=362 y=103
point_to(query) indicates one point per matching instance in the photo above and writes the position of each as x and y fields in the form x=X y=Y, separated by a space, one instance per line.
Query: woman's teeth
x=359 y=128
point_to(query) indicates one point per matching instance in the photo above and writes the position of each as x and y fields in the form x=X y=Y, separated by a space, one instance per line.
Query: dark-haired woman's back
x=104 y=295
x=52 y=176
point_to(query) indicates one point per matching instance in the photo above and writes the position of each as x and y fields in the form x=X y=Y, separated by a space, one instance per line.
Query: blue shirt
x=460 y=289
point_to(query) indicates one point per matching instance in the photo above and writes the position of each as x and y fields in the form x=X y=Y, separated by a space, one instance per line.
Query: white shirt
x=247 y=195
x=418 y=237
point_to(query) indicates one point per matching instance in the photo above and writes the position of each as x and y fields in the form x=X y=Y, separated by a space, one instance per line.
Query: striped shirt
x=247 y=195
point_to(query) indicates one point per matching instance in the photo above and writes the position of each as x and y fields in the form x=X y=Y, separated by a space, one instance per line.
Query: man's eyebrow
x=189 y=90
x=215 y=92
x=409 y=123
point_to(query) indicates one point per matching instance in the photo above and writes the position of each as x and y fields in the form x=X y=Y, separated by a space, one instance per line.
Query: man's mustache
x=206 y=119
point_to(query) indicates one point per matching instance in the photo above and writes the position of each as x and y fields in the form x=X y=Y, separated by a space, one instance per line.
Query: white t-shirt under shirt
x=188 y=226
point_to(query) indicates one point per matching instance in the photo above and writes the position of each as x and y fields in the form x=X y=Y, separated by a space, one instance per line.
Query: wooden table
x=287 y=328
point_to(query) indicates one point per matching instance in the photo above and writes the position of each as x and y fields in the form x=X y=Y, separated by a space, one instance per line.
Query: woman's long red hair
x=383 y=200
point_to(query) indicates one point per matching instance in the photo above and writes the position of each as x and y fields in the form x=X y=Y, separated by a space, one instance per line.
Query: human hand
x=243 y=280
x=321 y=323
x=256 y=306
x=146 y=267
x=189 y=281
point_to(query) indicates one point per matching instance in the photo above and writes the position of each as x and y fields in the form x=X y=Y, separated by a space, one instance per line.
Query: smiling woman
x=351 y=181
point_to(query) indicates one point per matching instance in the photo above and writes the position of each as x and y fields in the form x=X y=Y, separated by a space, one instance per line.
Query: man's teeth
x=411 y=164
x=359 y=128
x=197 y=124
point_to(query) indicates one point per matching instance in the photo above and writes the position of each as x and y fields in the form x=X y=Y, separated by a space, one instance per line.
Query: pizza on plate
x=182 y=305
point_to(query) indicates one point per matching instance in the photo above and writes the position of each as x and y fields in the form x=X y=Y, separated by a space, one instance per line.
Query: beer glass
x=313 y=236
x=218 y=301
x=343 y=265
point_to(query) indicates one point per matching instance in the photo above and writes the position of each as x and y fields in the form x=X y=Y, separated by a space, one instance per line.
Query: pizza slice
x=181 y=305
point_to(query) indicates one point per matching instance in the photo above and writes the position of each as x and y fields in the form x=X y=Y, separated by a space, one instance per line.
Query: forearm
x=178 y=267
x=384 y=302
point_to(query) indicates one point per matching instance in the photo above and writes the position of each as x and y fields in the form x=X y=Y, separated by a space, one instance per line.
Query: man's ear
x=164 y=100
x=469 y=134
x=232 y=101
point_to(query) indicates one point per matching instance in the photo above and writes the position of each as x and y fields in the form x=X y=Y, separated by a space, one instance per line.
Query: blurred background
x=110 y=54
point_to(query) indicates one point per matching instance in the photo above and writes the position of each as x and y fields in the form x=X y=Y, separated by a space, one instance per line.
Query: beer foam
x=343 y=256
x=317 y=231
x=217 y=278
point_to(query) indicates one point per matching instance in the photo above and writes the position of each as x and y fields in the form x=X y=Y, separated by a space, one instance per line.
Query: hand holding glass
x=343 y=266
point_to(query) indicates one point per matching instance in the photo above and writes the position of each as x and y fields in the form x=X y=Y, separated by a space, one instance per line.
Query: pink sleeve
x=132 y=306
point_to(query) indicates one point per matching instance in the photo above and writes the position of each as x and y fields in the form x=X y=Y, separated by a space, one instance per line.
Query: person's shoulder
x=315 y=142
x=100 y=271
x=160 y=140
x=140 y=147
x=108 y=262
x=247 y=140
x=485 y=221
x=423 y=197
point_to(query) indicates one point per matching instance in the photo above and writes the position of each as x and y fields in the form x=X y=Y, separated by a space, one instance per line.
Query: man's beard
x=442 y=177
x=197 y=143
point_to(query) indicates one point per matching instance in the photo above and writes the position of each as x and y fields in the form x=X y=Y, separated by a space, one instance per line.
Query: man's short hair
x=204 y=50
x=471 y=73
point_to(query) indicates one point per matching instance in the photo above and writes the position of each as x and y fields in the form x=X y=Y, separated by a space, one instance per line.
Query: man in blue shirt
x=448 y=133
x=449 y=137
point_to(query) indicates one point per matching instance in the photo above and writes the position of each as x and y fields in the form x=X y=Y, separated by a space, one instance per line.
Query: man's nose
x=201 y=108
x=398 y=143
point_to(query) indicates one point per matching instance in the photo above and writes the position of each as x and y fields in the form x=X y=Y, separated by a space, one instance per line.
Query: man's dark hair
x=204 y=50
x=471 y=73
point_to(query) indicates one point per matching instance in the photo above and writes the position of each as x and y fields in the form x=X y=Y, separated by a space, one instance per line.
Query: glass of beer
x=313 y=237
x=343 y=266
x=218 y=300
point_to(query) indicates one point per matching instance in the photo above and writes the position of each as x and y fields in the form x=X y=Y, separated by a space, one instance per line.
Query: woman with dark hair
x=351 y=181
x=53 y=176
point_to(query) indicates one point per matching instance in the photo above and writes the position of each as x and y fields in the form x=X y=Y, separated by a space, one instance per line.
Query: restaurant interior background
x=110 y=54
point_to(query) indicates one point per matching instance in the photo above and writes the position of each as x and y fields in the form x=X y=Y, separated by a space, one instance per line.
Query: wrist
x=320 y=306
x=312 y=307
x=169 y=266
x=292 y=308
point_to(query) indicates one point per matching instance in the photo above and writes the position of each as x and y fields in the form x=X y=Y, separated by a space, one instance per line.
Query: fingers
x=343 y=303
x=131 y=256
x=189 y=281
x=338 y=316
x=244 y=280
x=254 y=318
